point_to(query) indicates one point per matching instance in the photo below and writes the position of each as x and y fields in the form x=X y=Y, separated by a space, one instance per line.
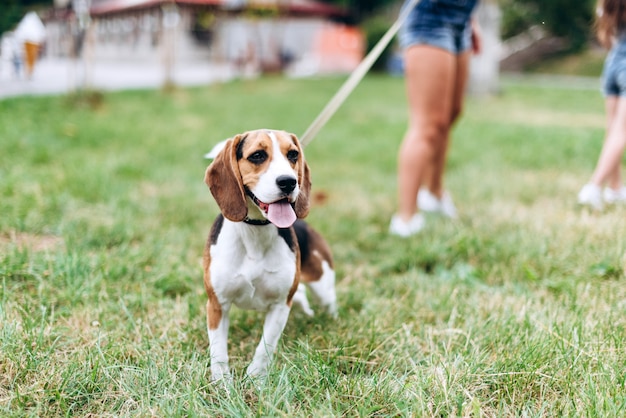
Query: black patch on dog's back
x=286 y=234
x=302 y=234
x=216 y=228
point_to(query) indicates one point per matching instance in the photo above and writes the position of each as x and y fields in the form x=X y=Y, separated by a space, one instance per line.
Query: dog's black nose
x=286 y=184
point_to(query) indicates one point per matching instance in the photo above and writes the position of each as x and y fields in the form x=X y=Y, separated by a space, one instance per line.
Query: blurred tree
x=362 y=9
x=12 y=11
x=570 y=19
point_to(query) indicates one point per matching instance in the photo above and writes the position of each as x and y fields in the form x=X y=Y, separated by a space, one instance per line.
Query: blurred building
x=300 y=36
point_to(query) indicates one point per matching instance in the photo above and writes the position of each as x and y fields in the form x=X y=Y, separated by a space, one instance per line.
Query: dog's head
x=261 y=175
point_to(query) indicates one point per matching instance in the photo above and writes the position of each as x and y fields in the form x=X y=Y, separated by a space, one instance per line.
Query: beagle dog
x=259 y=252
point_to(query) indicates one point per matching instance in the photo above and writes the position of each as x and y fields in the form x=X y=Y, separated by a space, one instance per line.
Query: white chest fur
x=251 y=266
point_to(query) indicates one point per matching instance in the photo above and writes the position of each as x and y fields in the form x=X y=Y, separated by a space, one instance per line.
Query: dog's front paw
x=220 y=372
x=257 y=369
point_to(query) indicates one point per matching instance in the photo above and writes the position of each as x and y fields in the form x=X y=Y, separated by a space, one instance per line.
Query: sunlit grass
x=516 y=309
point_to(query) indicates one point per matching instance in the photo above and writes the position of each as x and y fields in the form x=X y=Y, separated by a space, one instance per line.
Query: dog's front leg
x=275 y=322
x=218 y=342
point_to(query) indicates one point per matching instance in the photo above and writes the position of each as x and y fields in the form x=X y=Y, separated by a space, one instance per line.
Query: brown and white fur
x=249 y=261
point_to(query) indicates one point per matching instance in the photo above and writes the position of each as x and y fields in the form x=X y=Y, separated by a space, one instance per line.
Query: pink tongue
x=281 y=214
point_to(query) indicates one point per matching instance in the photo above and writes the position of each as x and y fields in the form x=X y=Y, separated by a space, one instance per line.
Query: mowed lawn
x=516 y=309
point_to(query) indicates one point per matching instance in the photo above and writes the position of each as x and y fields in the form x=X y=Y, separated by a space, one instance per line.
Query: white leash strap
x=355 y=78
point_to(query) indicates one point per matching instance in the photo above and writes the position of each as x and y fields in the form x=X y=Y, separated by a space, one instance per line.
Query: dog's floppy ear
x=304 y=179
x=224 y=179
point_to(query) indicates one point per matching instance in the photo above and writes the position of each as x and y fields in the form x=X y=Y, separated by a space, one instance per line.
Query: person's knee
x=431 y=133
x=435 y=133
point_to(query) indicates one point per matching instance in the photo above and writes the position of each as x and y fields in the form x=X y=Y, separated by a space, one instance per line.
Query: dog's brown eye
x=292 y=156
x=258 y=157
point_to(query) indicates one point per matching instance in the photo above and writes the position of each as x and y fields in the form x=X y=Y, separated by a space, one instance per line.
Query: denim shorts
x=614 y=72
x=440 y=23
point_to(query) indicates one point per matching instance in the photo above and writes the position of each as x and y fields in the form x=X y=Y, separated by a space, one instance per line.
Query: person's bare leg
x=461 y=74
x=614 y=181
x=608 y=167
x=429 y=83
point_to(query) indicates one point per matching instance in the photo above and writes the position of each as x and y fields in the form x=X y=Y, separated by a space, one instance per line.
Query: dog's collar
x=256 y=221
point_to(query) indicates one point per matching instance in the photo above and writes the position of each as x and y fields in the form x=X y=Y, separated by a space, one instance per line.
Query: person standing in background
x=30 y=33
x=437 y=37
x=11 y=54
x=611 y=32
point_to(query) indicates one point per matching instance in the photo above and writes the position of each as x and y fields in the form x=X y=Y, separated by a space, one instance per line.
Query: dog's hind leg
x=275 y=322
x=324 y=289
x=300 y=299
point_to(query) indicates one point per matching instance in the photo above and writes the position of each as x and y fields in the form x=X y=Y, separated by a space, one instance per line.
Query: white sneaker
x=406 y=229
x=447 y=206
x=612 y=196
x=591 y=195
x=428 y=202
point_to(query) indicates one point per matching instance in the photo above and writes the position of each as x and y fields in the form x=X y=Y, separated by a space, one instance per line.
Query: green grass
x=588 y=63
x=517 y=309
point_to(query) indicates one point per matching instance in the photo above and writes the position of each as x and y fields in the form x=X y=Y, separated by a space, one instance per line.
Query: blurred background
x=59 y=45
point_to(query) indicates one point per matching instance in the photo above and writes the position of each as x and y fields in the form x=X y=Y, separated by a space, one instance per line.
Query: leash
x=355 y=78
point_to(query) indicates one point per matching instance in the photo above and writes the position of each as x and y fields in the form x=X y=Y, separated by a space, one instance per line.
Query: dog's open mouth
x=280 y=213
